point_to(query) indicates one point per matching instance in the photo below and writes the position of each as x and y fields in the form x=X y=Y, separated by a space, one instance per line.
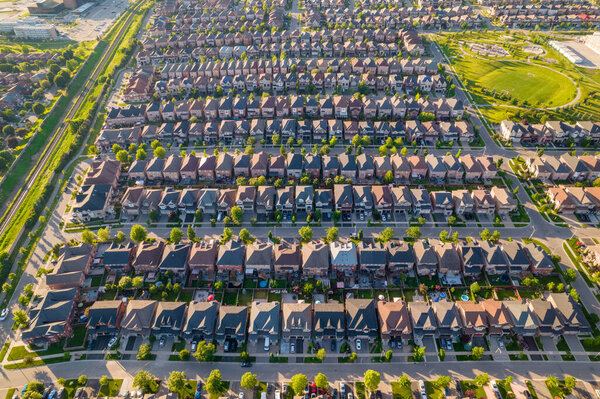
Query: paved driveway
x=431 y=347
x=575 y=346
x=498 y=352
x=550 y=346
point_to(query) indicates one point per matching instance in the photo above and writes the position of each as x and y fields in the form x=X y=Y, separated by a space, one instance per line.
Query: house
x=347 y=164
x=264 y=321
x=245 y=198
x=495 y=262
x=323 y=201
x=402 y=168
x=208 y=201
x=72 y=266
x=562 y=200
x=472 y=168
x=516 y=256
x=382 y=198
x=231 y=324
x=132 y=200
x=423 y=320
x=343 y=198
x=523 y=321
x=473 y=318
x=484 y=202
x=366 y=167
x=175 y=259
x=427 y=260
x=329 y=321
x=570 y=314
x=259 y=258
x=230 y=260
x=394 y=321
x=265 y=200
x=315 y=259
x=372 y=259
x=93 y=202
x=436 y=168
x=200 y=321
x=463 y=202
x=304 y=198
x=472 y=260
x=104 y=318
x=286 y=259
x=401 y=259
x=442 y=202
x=449 y=264
x=579 y=169
x=363 y=200
x=117 y=258
x=421 y=201
x=505 y=200
x=402 y=200
x=297 y=321
x=148 y=256
x=138 y=318
x=312 y=165
x=448 y=320
x=418 y=167
x=169 y=319
x=294 y=166
x=361 y=320
x=202 y=258
x=541 y=262
x=546 y=317
x=344 y=260
x=498 y=319
x=330 y=166
x=454 y=169
x=50 y=319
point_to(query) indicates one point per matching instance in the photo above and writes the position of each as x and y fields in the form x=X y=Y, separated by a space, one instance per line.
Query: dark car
x=458 y=387
x=334 y=394
x=378 y=394
x=199 y=386
x=333 y=345
x=246 y=363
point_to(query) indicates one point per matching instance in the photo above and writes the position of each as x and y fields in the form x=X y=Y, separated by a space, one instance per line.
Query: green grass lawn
x=19 y=352
x=359 y=388
x=433 y=391
x=470 y=385
x=189 y=390
x=10 y=393
x=505 y=389
x=400 y=392
x=78 y=338
x=111 y=389
x=39 y=362
x=230 y=298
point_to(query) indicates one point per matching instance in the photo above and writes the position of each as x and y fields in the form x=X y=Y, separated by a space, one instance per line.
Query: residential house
x=200 y=321
x=394 y=321
x=138 y=318
x=169 y=319
x=361 y=320
x=231 y=324
x=264 y=321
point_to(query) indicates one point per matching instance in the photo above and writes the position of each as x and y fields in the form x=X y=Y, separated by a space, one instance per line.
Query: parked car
x=112 y=342
x=162 y=341
x=292 y=348
x=246 y=363
x=333 y=345
x=194 y=345
x=358 y=344
x=241 y=395
x=4 y=314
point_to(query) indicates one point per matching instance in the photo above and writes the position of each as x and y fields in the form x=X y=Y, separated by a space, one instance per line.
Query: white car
x=241 y=395
x=358 y=345
x=112 y=342
x=4 y=314
x=194 y=345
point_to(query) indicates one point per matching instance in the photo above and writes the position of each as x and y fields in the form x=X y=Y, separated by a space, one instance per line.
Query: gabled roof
x=422 y=315
x=49 y=317
x=201 y=316
x=329 y=315
x=104 y=313
x=446 y=314
x=232 y=318
x=297 y=315
x=361 y=314
x=139 y=315
x=394 y=316
x=169 y=315
x=264 y=317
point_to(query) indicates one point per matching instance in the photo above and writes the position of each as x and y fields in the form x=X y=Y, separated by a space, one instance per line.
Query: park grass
x=400 y=392
x=111 y=389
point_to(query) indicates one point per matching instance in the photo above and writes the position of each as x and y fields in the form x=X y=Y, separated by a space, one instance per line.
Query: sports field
x=519 y=81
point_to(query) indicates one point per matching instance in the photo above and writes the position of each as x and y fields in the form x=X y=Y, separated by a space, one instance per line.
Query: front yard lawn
x=400 y=392
x=471 y=386
x=111 y=389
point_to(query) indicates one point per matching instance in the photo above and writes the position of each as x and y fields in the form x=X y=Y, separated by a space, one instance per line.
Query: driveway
x=575 y=346
x=498 y=352
x=431 y=347
x=533 y=348
x=550 y=346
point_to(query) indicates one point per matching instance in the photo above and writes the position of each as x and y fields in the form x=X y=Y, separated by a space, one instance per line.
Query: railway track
x=56 y=139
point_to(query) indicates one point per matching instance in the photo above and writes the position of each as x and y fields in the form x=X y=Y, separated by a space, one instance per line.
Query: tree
x=386 y=235
x=485 y=235
x=177 y=381
x=574 y=294
x=82 y=380
x=477 y=352
x=305 y=233
x=404 y=381
x=138 y=233
x=205 y=351
x=298 y=383
x=236 y=215
x=443 y=381
x=191 y=234
x=321 y=354
x=570 y=383
x=226 y=236
x=482 y=379
x=552 y=381
x=388 y=177
x=249 y=381
x=144 y=352
x=372 y=379
x=245 y=236
x=495 y=236
x=570 y=275
x=413 y=232
x=176 y=235
x=418 y=353
x=120 y=237
x=159 y=152
x=145 y=381
x=125 y=282
x=388 y=355
x=123 y=156
x=214 y=383
x=88 y=237
x=137 y=282
x=475 y=288
x=332 y=234
x=20 y=318
x=184 y=354
x=321 y=381
x=104 y=234
x=39 y=108
x=140 y=154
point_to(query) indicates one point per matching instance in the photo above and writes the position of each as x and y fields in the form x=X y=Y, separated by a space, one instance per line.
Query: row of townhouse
x=565 y=167
x=290 y=49
x=227 y=167
x=338 y=107
x=431 y=21
x=555 y=132
x=572 y=199
x=364 y=319
x=573 y=20
x=298 y=36
x=375 y=66
x=267 y=200
x=229 y=130
x=280 y=83
x=211 y=259
x=546 y=11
